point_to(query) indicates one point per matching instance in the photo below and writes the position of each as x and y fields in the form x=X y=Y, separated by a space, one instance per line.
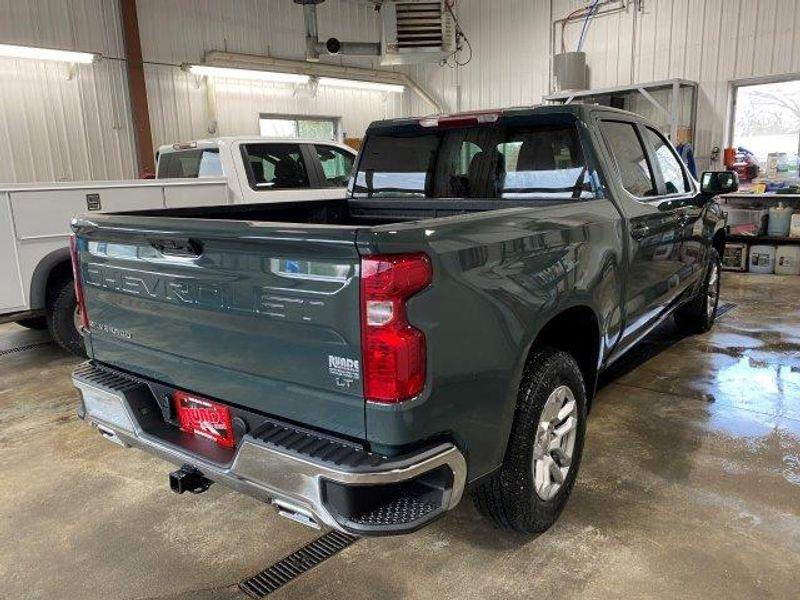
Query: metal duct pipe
x=312 y=32
x=219 y=58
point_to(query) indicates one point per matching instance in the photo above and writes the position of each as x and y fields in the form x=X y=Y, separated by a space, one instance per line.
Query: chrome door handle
x=640 y=232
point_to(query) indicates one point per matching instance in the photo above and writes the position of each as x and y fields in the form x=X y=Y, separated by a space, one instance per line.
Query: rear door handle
x=639 y=232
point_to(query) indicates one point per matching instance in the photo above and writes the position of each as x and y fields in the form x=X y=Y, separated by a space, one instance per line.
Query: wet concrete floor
x=690 y=487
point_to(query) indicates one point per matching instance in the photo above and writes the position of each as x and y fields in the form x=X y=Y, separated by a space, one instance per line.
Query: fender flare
x=530 y=338
x=41 y=275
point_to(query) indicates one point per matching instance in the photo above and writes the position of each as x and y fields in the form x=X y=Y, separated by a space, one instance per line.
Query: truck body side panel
x=499 y=277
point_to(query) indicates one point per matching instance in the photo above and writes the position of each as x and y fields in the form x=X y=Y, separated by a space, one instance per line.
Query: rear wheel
x=698 y=315
x=63 y=319
x=544 y=450
x=34 y=323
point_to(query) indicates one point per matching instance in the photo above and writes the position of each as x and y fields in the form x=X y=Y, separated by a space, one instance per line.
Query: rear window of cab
x=484 y=161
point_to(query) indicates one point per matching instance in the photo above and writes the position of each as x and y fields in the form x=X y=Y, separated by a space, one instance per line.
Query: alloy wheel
x=554 y=442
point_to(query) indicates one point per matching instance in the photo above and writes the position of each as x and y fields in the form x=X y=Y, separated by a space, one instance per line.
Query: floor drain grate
x=725 y=308
x=24 y=348
x=298 y=562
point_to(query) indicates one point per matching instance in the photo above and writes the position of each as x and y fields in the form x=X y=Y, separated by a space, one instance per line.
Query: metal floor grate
x=285 y=570
x=725 y=308
x=24 y=348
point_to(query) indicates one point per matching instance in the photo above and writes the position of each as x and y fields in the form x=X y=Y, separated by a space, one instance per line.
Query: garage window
x=766 y=133
x=313 y=128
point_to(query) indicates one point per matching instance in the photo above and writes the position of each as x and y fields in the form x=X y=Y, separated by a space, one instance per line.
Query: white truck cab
x=262 y=169
x=35 y=269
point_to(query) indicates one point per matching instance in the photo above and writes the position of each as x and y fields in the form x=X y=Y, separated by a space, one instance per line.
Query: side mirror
x=714 y=183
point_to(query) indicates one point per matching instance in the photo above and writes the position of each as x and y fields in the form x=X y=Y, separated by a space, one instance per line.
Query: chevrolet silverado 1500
x=360 y=362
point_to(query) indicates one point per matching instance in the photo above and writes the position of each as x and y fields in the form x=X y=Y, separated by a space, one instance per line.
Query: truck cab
x=262 y=169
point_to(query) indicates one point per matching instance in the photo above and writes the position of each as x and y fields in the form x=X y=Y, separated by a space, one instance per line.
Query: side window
x=675 y=180
x=631 y=158
x=336 y=165
x=275 y=166
x=210 y=165
x=544 y=162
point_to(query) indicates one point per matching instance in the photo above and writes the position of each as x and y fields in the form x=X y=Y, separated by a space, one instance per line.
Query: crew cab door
x=334 y=166
x=656 y=274
x=277 y=172
x=679 y=195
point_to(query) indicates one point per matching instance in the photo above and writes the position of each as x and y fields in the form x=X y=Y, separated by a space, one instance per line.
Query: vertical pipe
x=137 y=89
x=312 y=32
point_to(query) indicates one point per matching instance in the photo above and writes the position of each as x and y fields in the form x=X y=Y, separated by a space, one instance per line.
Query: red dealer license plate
x=203 y=417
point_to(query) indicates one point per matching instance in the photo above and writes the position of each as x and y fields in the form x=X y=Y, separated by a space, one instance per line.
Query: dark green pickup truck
x=359 y=363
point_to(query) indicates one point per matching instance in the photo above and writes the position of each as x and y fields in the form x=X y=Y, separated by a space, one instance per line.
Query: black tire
x=699 y=314
x=61 y=308
x=509 y=498
x=34 y=323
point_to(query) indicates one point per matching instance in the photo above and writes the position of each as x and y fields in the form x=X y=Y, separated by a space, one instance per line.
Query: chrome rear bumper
x=302 y=487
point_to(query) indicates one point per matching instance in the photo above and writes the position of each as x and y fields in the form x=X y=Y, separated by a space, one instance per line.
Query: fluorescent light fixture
x=46 y=54
x=233 y=73
x=394 y=88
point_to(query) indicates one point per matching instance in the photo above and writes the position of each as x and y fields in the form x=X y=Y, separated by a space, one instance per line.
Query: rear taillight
x=76 y=276
x=393 y=351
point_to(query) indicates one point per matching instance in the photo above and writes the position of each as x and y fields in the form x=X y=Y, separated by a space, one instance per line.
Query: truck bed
x=344 y=212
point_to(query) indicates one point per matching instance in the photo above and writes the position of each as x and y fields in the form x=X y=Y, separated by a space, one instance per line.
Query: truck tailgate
x=265 y=316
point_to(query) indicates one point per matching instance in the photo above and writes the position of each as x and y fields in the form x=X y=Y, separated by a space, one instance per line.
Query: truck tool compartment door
x=258 y=315
x=655 y=274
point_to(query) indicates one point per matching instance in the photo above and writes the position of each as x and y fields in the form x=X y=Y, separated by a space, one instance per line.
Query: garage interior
x=690 y=482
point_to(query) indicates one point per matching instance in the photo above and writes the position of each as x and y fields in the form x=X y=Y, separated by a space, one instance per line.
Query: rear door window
x=336 y=165
x=630 y=156
x=275 y=166
x=189 y=164
x=672 y=173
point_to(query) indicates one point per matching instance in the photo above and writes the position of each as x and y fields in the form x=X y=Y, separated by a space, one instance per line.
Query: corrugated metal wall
x=510 y=59
x=56 y=124
x=87 y=132
x=708 y=41
x=182 y=32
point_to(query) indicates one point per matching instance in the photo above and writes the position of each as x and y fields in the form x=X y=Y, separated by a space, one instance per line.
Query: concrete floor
x=690 y=487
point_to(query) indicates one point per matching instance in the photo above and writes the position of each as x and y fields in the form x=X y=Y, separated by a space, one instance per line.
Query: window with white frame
x=289 y=126
x=766 y=132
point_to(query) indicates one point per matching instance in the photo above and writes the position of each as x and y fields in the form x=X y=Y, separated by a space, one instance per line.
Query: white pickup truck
x=36 y=287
